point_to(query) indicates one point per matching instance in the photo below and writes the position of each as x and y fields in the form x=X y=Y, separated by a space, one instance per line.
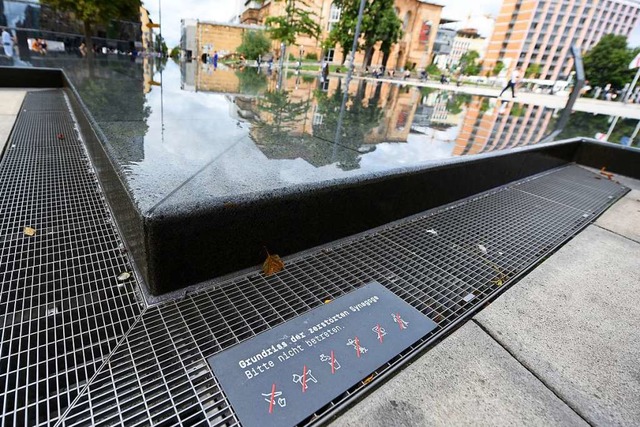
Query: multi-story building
x=467 y=40
x=443 y=46
x=489 y=125
x=542 y=31
x=419 y=19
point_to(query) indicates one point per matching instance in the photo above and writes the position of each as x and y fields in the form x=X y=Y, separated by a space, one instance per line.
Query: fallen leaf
x=327 y=301
x=432 y=231
x=367 y=380
x=609 y=175
x=272 y=265
x=483 y=248
x=124 y=276
x=29 y=231
x=60 y=136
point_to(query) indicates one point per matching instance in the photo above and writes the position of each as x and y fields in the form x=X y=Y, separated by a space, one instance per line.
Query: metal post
x=349 y=74
x=633 y=85
x=613 y=125
x=160 y=23
x=635 y=133
x=575 y=94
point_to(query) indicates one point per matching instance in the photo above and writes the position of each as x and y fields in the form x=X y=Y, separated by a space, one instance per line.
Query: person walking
x=515 y=75
x=7 y=42
x=215 y=60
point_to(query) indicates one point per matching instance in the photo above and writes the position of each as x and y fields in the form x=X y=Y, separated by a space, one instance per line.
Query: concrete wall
x=219 y=37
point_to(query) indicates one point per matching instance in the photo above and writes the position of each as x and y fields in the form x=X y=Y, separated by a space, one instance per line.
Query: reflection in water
x=188 y=130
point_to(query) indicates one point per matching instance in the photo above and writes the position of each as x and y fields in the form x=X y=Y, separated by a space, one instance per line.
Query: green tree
x=468 y=64
x=93 y=12
x=608 y=62
x=380 y=23
x=251 y=81
x=297 y=20
x=161 y=45
x=254 y=44
x=533 y=71
x=390 y=32
x=497 y=69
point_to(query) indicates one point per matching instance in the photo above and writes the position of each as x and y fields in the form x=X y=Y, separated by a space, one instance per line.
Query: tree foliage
x=468 y=63
x=380 y=23
x=98 y=11
x=533 y=70
x=608 y=62
x=297 y=20
x=92 y=12
x=497 y=69
x=254 y=44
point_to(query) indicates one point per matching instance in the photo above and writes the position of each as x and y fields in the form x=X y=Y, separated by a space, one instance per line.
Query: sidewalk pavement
x=9 y=108
x=561 y=347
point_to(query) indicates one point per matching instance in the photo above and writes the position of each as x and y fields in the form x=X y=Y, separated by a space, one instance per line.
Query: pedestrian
x=43 y=46
x=259 y=61
x=515 y=75
x=215 y=59
x=407 y=74
x=83 y=49
x=325 y=71
x=7 y=42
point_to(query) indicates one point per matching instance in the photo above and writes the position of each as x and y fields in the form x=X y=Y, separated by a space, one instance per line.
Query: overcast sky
x=222 y=10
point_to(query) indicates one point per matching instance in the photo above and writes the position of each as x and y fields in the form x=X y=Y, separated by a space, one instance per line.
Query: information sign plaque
x=284 y=375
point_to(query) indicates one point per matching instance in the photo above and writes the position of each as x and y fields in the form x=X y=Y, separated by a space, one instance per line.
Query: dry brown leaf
x=272 y=265
x=29 y=231
x=367 y=380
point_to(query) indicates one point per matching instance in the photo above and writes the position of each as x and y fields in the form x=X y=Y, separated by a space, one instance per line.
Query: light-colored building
x=201 y=37
x=147 y=26
x=542 y=31
x=467 y=40
x=420 y=18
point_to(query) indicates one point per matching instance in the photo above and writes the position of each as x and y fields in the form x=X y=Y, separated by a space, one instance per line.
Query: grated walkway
x=78 y=347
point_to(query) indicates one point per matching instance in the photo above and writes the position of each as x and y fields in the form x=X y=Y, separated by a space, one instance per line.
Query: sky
x=222 y=10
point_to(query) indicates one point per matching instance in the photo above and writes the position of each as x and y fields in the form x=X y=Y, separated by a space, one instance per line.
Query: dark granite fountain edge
x=178 y=246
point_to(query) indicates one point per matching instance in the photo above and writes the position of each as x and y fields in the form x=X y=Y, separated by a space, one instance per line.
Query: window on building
x=334 y=16
x=329 y=54
x=407 y=19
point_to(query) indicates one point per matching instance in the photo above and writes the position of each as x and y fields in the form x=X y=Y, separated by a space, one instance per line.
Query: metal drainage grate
x=445 y=263
x=65 y=311
x=62 y=311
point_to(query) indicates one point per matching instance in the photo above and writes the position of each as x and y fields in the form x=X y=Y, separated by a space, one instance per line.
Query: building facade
x=420 y=19
x=542 y=32
x=467 y=40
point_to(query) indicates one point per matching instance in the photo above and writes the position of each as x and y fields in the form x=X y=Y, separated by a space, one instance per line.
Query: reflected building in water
x=494 y=125
x=304 y=119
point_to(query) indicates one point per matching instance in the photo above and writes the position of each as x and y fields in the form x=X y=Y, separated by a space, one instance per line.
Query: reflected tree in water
x=251 y=81
x=456 y=103
x=348 y=133
x=588 y=125
x=289 y=129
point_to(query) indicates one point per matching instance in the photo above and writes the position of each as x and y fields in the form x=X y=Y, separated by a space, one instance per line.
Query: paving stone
x=468 y=379
x=624 y=217
x=575 y=322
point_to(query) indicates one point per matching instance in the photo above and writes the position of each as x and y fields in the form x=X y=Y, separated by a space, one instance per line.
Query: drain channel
x=67 y=320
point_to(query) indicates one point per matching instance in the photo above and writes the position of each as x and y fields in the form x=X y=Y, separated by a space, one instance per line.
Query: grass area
x=332 y=68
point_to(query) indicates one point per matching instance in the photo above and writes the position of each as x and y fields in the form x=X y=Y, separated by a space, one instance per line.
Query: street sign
x=284 y=375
